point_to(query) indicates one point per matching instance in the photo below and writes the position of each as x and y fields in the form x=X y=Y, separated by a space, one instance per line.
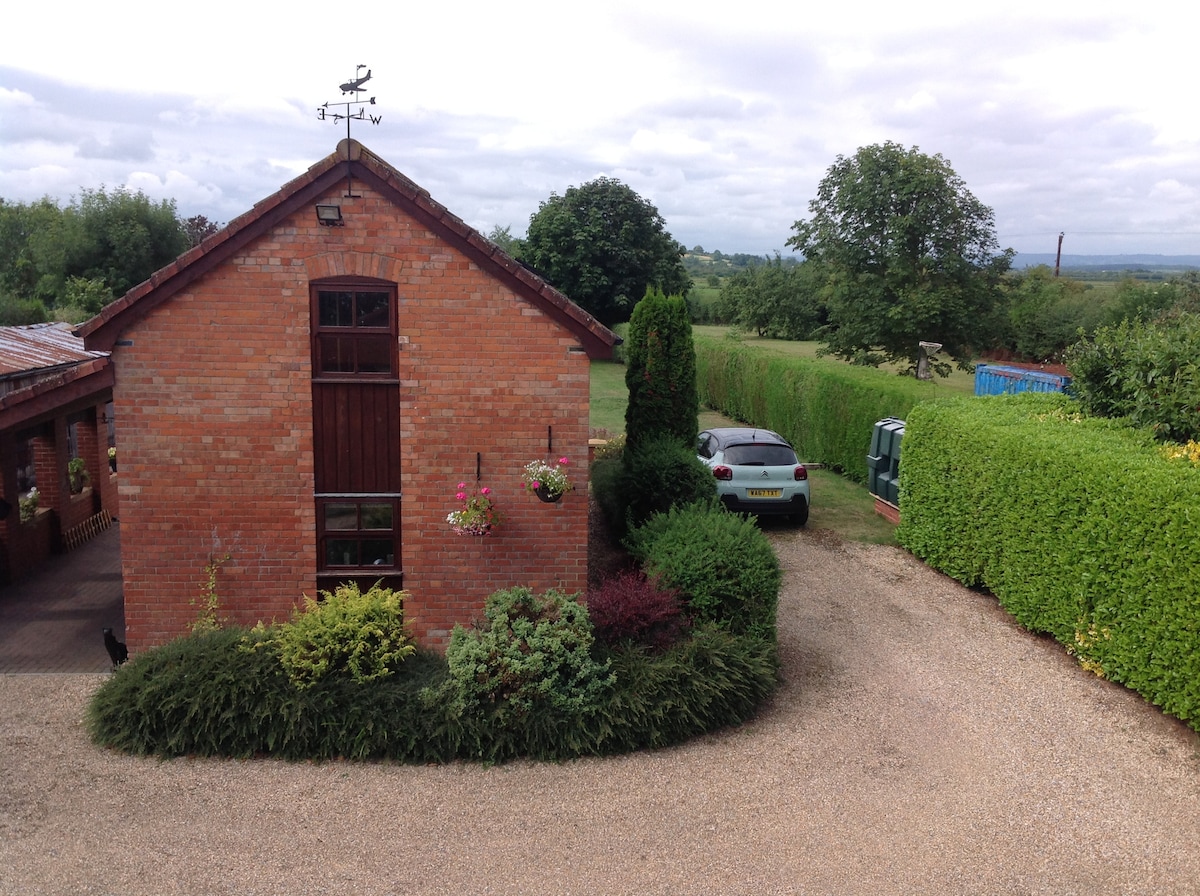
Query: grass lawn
x=959 y=381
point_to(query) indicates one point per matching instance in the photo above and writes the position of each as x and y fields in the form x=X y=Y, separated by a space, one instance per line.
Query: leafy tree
x=602 y=244
x=1139 y=300
x=660 y=372
x=773 y=299
x=1046 y=313
x=124 y=237
x=32 y=255
x=198 y=228
x=905 y=252
x=502 y=237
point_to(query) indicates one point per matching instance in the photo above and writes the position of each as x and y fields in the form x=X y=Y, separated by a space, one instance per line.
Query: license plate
x=764 y=493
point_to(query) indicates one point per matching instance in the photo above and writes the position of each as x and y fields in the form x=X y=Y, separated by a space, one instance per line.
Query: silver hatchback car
x=756 y=471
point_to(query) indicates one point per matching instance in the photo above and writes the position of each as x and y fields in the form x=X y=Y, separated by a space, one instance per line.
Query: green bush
x=826 y=409
x=528 y=670
x=720 y=563
x=211 y=694
x=203 y=694
x=1080 y=526
x=660 y=474
x=224 y=692
x=361 y=635
x=709 y=680
x=1146 y=372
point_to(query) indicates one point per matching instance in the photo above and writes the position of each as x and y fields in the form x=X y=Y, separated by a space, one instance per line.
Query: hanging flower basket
x=478 y=514
x=548 y=481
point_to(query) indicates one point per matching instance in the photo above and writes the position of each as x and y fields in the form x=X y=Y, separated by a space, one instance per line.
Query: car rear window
x=759 y=455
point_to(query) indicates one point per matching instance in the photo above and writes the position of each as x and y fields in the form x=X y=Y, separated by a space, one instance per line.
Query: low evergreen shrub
x=711 y=679
x=661 y=474
x=214 y=694
x=720 y=563
x=204 y=694
x=633 y=609
x=347 y=631
x=527 y=669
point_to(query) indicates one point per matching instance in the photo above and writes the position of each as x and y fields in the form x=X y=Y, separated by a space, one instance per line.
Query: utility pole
x=1058 y=258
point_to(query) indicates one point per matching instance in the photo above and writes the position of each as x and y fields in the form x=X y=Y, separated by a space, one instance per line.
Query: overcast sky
x=1065 y=116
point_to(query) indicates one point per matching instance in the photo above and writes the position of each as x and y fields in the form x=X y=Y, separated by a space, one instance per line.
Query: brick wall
x=213 y=402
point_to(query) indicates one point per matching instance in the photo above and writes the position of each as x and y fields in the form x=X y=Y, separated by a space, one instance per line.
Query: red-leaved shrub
x=631 y=607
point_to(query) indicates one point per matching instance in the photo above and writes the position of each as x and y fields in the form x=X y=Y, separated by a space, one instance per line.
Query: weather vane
x=355 y=111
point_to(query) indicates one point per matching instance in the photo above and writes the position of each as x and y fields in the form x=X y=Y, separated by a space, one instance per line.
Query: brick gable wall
x=213 y=402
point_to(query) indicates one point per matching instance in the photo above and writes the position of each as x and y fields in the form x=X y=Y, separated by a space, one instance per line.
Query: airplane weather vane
x=355 y=111
x=354 y=86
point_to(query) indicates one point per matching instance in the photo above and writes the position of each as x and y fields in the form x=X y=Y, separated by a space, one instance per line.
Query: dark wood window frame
x=356 y=429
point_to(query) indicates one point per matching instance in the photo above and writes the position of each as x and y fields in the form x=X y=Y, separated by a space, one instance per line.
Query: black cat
x=117 y=651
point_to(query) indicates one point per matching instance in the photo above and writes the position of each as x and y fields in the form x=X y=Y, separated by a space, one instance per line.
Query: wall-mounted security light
x=330 y=216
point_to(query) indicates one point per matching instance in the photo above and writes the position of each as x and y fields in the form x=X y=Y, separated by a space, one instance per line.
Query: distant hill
x=1161 y=263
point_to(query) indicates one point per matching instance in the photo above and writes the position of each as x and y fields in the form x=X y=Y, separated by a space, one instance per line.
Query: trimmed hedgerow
x=1081 y=527
x=720 y=563
x=826 y=409
x=631 y=608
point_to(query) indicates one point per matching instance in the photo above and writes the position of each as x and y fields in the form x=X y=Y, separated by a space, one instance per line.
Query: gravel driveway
x=921 y=743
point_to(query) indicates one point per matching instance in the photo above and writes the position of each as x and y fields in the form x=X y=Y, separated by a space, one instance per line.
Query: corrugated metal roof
x=40 y=347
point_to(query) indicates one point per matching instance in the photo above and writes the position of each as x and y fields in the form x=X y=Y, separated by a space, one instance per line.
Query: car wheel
x=800 y=517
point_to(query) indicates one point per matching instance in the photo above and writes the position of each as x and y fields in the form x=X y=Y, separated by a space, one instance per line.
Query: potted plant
x=29 y=505
x=548 y=481
x=112 y=459
x=478 y=514
x=77 y=474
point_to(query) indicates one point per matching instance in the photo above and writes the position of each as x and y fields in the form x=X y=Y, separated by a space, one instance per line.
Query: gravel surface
x=920 y=743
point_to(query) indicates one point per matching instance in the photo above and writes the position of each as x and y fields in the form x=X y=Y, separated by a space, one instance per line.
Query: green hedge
x=826 y=409
x=214 y=694
x=1080 y=527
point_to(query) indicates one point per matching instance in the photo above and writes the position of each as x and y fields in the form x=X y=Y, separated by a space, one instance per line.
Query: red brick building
x=297 y=400
x=54 y=414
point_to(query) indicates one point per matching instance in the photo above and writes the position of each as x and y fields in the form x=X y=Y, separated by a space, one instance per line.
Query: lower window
x=357 y=533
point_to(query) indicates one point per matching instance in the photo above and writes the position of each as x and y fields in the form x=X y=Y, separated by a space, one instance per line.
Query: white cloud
x=1067 y=116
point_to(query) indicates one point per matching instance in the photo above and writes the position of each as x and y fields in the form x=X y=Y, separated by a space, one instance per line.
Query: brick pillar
x=87 y=443
x=46 y=469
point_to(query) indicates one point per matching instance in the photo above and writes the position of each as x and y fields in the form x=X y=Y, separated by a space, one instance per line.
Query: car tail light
x=800 y=473
x=722 y=472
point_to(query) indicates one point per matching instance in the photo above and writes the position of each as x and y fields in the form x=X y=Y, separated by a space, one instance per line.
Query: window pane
x=336 y=309
x=341 y=552
x=377 y=552
x=375 y=354
x=337 y=354
x=373 y=309
x=377 y=516
x=341 y=516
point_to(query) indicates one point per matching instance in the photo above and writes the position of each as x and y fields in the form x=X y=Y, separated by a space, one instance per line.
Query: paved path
x=51 y=621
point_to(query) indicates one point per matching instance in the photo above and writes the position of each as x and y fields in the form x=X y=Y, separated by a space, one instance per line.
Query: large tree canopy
x=906 y=254
x=79 y=257
x=602 y=244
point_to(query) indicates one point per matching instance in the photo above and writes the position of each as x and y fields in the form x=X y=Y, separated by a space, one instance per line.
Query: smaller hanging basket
x=544 y=494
